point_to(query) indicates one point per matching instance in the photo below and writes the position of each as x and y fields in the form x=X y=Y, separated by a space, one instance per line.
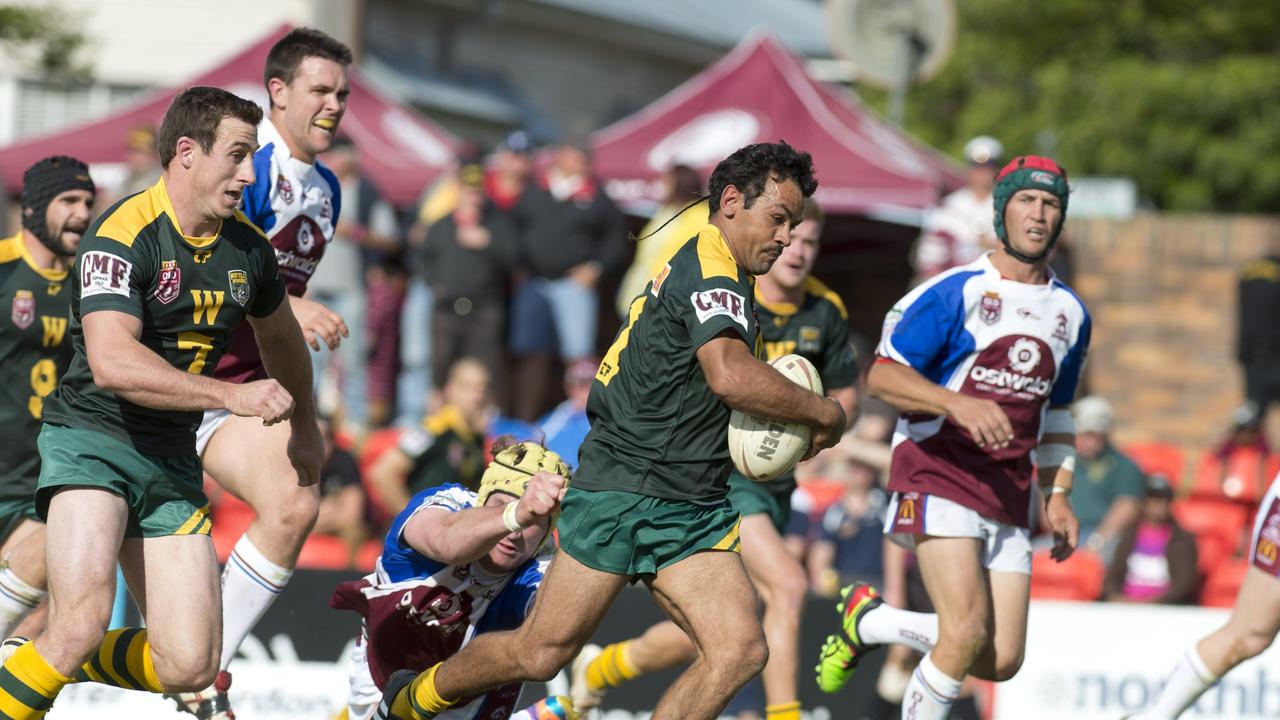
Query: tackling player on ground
x=162 y=278
x=467 y=562
x=1252 y=627
x=57 y=204
x=983 y=362
x=798 y=314
x=648 y=500
x=294 y=199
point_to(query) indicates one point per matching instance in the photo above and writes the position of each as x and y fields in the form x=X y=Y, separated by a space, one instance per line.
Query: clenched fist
x=541 y=498
x=266 y=399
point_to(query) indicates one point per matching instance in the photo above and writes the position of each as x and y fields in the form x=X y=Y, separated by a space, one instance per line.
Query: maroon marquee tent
x=760 y=92
x=400 y=150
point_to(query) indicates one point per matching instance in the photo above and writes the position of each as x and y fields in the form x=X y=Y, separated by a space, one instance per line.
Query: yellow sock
x=123 y=660
x=784 y=711
x=420 y=701
x=611 y=668
x=28 y=685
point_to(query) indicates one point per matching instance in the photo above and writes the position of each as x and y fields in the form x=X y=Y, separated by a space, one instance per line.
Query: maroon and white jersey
x=1264 y=550
x=296 y=204
x=976 y=333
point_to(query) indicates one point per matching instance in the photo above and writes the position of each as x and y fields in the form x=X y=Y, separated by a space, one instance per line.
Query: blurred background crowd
x=499 y=159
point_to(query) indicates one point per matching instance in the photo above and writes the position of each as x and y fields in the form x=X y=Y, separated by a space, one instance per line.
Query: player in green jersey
x=651 y=504
x=798 y=314
x=161 y=279
x=57 y=204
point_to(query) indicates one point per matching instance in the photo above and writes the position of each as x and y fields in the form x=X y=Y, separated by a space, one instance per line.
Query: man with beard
x=57 y=202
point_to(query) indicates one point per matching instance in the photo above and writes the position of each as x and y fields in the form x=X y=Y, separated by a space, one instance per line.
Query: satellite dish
x=893 y=43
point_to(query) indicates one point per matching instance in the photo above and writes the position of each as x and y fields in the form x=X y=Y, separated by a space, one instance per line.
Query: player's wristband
x=509 y=517
x=1060 y=490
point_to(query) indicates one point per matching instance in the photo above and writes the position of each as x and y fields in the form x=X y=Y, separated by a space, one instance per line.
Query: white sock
x=886 y=625
x=250 y=583
x=17 y=598
x=930 y=693
x=1188 y=681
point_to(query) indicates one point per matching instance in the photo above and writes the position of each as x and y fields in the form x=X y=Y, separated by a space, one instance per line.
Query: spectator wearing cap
x=571 y=236
x=467 y=258
x=1155 y=559
x=1108 y=485
x=141 y=160
x=960 y=228
x=510 y=171
x=565 y=427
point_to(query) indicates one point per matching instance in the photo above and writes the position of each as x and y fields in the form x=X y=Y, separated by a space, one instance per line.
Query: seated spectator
x=447 y=448
x=1108 y=485
x=565 y=427
x=342 y=503
x=848 y=548
x=1155 y=559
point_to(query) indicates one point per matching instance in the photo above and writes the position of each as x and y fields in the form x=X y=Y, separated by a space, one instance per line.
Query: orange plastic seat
x=367 y=555
x=1223 y=584
x=1242 y=477
x=1078 y=578
x=324 y=552
x=1158 y=457
x=1223 y=519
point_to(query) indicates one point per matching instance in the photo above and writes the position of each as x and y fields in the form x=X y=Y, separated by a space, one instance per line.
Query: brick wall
x=1162 y=292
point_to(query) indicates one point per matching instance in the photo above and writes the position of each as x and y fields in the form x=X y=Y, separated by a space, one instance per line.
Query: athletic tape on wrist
x=509 y=517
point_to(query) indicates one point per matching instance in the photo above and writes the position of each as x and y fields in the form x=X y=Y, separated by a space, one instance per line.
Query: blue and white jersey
x=979 y=334
x=419 y=611
x=296 y=204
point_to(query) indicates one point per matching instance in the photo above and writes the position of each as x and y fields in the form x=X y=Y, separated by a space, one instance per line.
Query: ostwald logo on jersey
x=24 y=308
x=169 y=283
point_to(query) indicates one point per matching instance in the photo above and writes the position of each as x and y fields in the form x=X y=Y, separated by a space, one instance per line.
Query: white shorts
x=364 y=696
x=1264 y=545
x=209 y=424
x=1006 y=548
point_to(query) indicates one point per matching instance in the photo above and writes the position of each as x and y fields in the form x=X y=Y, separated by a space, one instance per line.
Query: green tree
x=44 y=38
x=1182 y=97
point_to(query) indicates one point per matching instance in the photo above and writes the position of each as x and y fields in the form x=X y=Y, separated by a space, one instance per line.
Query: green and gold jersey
x=444 y=449
x=189 y=293
x=656 y=427
x=32 y=356
x=818 y=329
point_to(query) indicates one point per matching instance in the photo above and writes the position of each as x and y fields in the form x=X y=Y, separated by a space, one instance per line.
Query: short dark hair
x=300 y=43
x=196 y=113
x=813 y=212
x=749 y=169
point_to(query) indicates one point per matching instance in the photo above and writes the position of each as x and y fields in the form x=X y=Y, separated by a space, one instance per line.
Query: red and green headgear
x=1029 y=172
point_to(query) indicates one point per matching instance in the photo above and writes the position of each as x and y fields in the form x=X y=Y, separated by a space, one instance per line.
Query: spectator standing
x=467 y=257
x=1258 y=348
x=670 y=227
x=572 y=234
x=1108 y=485
x=1155 y=559
x=961 y=227
x=141 y=160
x=366 y=229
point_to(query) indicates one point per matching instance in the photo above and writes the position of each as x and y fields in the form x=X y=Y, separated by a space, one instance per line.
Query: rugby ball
x=763 y=449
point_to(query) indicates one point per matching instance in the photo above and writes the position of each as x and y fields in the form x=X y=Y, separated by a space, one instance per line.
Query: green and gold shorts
x=13 y=511
x=631 y=534
x=749 y=497
x=165 y=495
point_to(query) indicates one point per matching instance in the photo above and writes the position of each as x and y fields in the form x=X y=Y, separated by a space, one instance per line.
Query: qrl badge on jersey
x=990 y=308
x=24 y=308
x=239 y=282
x=810 y=340
x=170 y=282
x=1266 y=551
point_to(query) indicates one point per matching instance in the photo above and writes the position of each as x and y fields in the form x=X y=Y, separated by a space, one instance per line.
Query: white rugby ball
x=763 y=449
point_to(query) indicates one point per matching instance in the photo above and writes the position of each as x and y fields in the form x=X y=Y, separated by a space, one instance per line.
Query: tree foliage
x=1182 y=97
x=45 y=38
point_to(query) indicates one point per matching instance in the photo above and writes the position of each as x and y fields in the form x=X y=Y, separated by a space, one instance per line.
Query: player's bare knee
x=743 y=653
x=1007 y=666
x=295 y=513
x=186 y=671
x=541 y=663
x=1249 y=644
x=969 y=636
